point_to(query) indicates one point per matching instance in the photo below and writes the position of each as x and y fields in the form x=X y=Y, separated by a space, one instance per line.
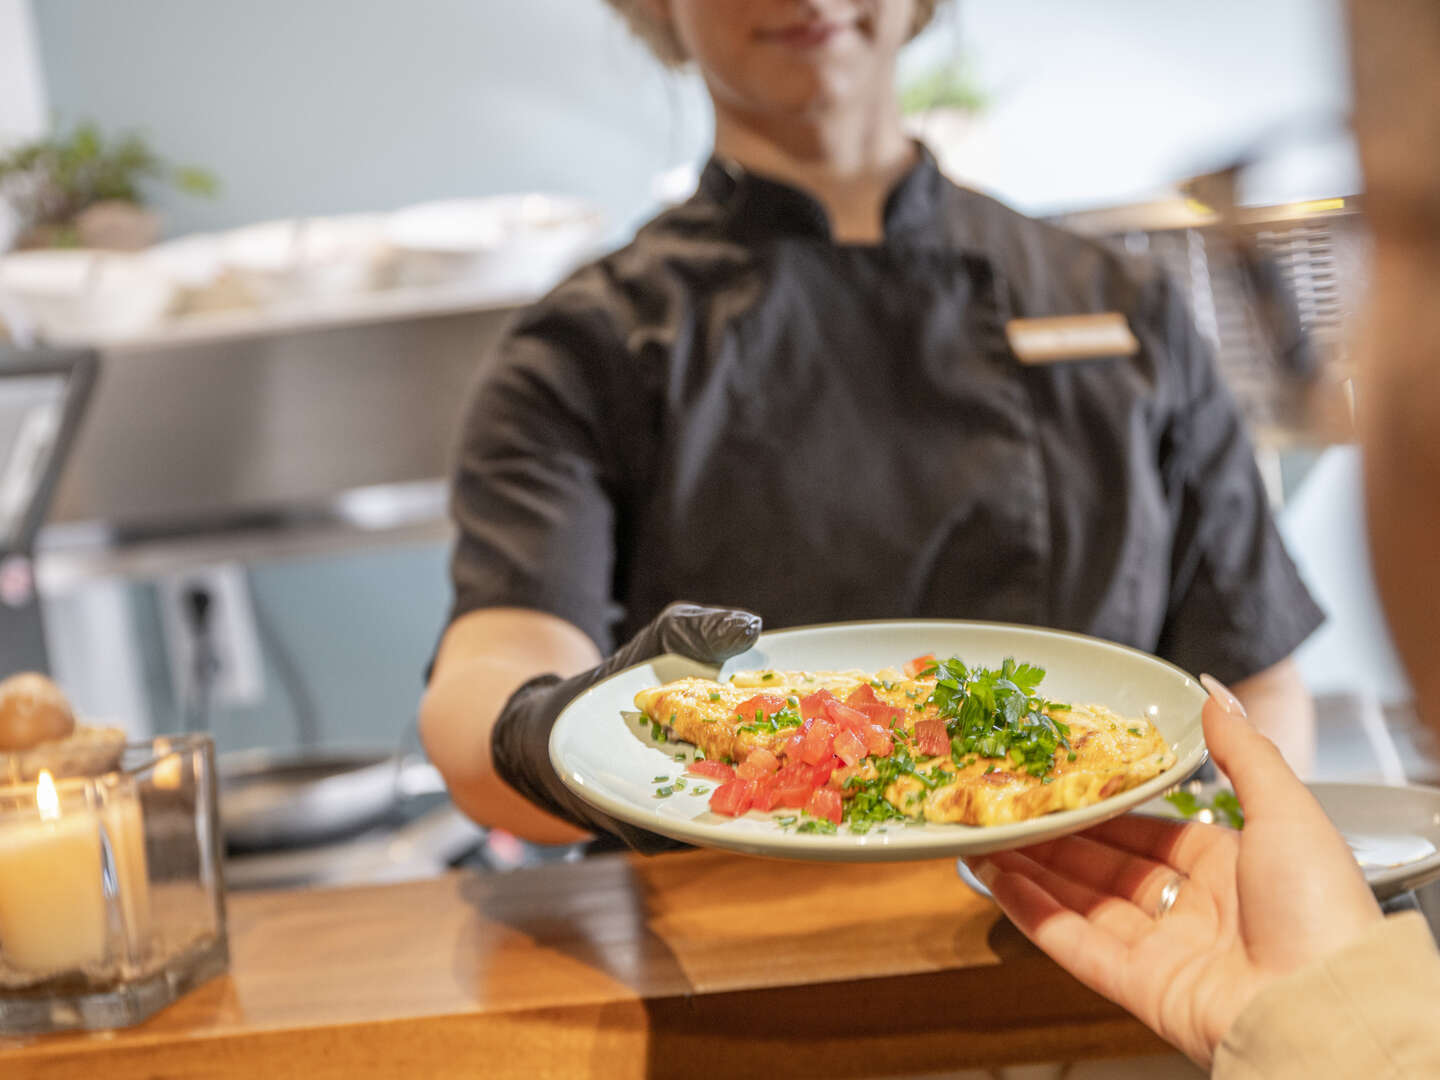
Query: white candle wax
x=52 y=902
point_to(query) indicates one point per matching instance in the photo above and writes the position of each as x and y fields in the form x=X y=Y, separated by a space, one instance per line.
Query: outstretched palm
x=1251 y=906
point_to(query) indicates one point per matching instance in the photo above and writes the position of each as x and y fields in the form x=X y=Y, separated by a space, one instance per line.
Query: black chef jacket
x=737 y=410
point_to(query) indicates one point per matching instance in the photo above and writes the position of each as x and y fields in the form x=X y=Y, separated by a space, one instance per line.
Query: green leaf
x=196 y=181
x=1185 y=802
x=1227 y=804
x=949 y=87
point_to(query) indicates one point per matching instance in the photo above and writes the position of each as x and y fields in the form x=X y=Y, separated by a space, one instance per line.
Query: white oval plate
x=604 y=753
x=1394 y=830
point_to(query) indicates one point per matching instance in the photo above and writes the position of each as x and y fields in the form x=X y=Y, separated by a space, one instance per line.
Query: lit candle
x=52 y=899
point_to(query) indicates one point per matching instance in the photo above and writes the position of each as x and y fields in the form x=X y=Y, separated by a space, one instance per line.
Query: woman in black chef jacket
x=794 y=395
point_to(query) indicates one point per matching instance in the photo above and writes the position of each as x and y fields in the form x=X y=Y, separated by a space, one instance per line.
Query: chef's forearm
x=483 y=659
x=1281 y=708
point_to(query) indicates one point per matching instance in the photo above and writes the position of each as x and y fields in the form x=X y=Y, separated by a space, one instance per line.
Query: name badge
x=1070 y=337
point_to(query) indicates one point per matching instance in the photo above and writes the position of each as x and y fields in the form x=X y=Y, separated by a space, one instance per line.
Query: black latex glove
x=520 y=739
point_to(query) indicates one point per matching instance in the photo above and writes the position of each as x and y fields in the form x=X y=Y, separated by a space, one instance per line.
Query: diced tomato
x=845 y=717
x=795 y=772
x=930 y=737
x=826 y=804
x=816 y=747
x=793 y=784
x=790 y=748
x=812 y=706
x=913 y=668
x=849 y=747
x=715 y=770
x=877 y=741
x=863 y=700
x=794 y=795
x=887 y=716
x=769 y=704
x=760 y=762
x=821 y=773
x=863 y=696
x=767 y=793
x=734 y=798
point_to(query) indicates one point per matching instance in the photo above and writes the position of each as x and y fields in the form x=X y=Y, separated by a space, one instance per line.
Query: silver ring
x=1168 y=895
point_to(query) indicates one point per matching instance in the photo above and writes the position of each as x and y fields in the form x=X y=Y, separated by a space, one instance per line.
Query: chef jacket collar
x=757 y=206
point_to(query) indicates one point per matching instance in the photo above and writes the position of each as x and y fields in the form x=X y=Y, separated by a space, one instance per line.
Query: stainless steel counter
x=192 y=434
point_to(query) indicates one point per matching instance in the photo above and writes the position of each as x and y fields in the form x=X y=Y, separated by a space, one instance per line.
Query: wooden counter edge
x=896 y=1025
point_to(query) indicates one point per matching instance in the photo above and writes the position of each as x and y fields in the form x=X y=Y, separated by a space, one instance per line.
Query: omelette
x=1098 y=754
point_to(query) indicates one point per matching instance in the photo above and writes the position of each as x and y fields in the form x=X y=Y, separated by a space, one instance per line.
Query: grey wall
x=321 y=106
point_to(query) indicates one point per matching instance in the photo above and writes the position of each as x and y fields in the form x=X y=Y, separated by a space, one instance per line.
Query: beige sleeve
x=1371 y=1010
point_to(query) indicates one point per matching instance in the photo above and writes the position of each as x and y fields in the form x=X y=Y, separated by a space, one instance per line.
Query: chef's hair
x=659 y=35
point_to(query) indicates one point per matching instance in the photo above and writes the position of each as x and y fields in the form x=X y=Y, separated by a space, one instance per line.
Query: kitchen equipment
x=1274 y=290
x=597 y=745
x=277 y=799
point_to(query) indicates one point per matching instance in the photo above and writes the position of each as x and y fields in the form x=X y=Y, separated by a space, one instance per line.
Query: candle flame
x=46 y=798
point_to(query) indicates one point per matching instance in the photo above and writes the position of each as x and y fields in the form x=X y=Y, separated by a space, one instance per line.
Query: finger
x=1179 y=845
x=1107 y=870
x=708 y=634
x=1089 y=952
x=1263 y=781
x=1118 y=915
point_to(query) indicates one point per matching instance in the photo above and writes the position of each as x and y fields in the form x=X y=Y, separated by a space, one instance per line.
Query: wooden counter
x=695 y=964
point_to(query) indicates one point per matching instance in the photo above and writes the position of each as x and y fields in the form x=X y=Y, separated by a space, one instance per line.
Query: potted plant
x=80 y=190
x=941 y=106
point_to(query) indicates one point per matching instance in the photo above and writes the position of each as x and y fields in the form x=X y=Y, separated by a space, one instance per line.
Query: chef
x=834 y=385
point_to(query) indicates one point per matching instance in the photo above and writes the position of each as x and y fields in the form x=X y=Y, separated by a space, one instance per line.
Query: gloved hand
x=520 y=739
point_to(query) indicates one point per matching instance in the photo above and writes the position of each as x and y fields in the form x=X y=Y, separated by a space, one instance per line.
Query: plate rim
x=1385 y=882
x=864 y=847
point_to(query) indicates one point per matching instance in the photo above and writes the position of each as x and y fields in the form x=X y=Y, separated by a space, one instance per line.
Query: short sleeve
x=532 y=497
x=1237 y=604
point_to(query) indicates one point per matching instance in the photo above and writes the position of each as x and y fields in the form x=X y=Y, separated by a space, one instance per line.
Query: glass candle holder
x=112 y=903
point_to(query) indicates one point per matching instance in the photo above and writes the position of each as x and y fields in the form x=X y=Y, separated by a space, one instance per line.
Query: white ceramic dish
x=77 y=295
x=300 y=259
x=1394 y=831
x=602 y=753
x=509 y=243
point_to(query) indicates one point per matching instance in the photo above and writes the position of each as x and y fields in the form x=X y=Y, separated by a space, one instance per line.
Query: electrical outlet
x=236 y=673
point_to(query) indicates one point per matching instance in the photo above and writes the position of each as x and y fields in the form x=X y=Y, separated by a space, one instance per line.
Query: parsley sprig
x=997 y=713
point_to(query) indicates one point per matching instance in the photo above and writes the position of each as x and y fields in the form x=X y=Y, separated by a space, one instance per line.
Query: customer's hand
x=1251 y=906
x=520 y=739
